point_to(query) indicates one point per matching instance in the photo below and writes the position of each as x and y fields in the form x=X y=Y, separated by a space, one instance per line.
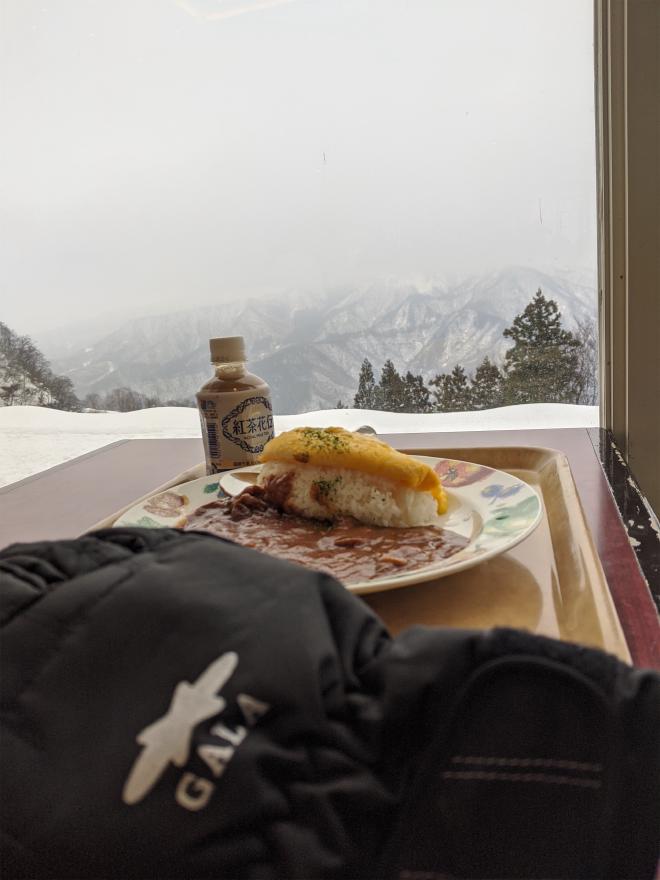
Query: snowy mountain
x=310 y=352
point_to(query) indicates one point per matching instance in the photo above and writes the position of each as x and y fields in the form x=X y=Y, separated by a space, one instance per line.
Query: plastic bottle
x=234 y=408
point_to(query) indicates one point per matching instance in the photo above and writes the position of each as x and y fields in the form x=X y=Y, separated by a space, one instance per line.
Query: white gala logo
x=168 y=739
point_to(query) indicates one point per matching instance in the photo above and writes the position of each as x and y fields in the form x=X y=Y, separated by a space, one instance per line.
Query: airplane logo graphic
x=168 y=739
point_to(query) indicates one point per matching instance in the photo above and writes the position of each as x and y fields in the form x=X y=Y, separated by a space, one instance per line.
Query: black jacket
x=174 y=705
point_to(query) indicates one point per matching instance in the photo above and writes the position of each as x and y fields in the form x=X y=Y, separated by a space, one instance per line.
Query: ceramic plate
x=491 y=508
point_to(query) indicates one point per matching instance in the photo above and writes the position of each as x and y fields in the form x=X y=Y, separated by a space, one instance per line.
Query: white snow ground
x=34 y=438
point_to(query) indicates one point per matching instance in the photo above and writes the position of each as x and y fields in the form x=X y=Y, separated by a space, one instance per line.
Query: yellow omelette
x=339 y=448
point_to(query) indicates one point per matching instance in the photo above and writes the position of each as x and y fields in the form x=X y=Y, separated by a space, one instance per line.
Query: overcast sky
x=168 y=153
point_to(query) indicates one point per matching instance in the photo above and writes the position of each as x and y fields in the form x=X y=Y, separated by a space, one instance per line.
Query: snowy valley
x=310 y=350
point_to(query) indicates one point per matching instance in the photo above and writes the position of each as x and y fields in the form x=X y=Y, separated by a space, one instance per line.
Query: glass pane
x=340 y=182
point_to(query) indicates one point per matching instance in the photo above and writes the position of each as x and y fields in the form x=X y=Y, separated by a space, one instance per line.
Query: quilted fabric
x=174 y=705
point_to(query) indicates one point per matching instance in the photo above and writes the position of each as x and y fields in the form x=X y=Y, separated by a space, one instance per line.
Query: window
x=628 y=86
x=335 y=182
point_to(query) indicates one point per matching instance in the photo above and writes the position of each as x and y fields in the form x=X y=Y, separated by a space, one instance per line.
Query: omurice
x=330 y=473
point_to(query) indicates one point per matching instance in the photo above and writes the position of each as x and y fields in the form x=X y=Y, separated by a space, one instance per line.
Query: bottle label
x=235 y=438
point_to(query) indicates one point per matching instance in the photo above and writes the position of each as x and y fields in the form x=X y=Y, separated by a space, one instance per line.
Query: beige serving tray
x=552 y=583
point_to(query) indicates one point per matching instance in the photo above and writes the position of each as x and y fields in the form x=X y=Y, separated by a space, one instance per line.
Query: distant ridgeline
x=533 y=360
x=546 y=364
x=310 y=345
x=26 y=377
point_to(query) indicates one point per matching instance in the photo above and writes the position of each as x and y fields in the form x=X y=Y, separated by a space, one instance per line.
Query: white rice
x=328 y=493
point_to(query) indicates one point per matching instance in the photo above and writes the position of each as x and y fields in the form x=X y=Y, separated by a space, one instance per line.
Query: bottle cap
x=227 y=349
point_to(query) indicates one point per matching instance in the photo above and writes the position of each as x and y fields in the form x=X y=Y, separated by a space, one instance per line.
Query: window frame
x=627 y=41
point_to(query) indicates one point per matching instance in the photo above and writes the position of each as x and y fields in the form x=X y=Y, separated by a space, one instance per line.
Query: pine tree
x=417 y=398
x=453 y=391
x=367 y=393
x=486 y=389
x=391 y=387
x=392 y=393
x=586 y=374
x=541 y=366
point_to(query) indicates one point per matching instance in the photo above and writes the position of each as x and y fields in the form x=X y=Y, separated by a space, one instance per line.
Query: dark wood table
x=66 y=500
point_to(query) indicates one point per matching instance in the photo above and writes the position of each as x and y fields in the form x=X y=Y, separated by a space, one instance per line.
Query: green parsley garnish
x=320 y=440
x=325 y=488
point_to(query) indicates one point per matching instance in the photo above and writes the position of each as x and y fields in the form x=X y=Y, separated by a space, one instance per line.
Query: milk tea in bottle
x=234 y=409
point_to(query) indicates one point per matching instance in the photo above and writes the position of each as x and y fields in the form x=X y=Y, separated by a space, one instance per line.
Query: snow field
x=34 y=438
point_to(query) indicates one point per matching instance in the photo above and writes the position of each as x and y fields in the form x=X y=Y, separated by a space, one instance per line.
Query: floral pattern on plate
x=457 y=474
